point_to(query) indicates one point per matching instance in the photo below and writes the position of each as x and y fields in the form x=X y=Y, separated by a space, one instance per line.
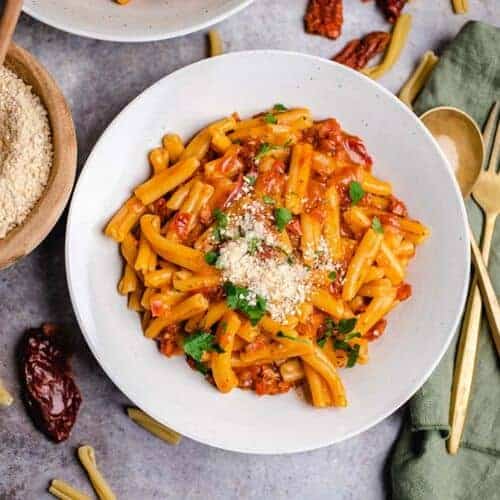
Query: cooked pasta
x=267 y=253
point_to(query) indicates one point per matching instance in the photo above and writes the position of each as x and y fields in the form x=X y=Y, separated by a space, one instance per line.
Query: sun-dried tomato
x=52 y=397
x=235 y=192
x=357 y=151
x=180 y=224
x=358 y=52
x=397 y=207
x=167 y=343
x=271 y=182
x=325 y=136
x=325 y=17
x=391 y=8
x=263 y=379
x=404 y=291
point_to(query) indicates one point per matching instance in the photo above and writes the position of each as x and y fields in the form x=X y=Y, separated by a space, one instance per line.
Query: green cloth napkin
x=468 y=77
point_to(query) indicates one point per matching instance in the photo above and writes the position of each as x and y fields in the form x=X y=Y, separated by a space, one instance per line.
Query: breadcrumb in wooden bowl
x=24 y=232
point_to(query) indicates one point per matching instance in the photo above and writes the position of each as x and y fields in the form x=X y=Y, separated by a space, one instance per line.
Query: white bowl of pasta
x=268 y=252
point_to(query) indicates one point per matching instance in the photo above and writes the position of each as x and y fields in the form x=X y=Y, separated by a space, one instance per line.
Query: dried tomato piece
x=180 y=224
x=52 y=397
x=359 y=51
x=404 y=291
x=325 y=17
x=376 y=330
x=391 y=8
x=397 y=207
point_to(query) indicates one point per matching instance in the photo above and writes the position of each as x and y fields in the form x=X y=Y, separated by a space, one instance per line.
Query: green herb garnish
x=377 y=225
x=322 y=341
x=289 y=337
x=211 y=257
x=198 y=343
x=253 y=245
x=270 y=118
x=282 y=217
x=346 y=325
x=341 y=344
x=264 y=149
x=280 y=108
x=332 y=275
x=221 y=221
x=352 y=335
x=238 y=298
x=200 y=367
x=356 y=192
x=267 y=199
x=250 y=179
x=353 y=356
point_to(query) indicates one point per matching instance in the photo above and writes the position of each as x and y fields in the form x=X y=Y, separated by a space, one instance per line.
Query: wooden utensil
x=23 y=239
x=468 y=163
x=10 y=16
x=486 y=192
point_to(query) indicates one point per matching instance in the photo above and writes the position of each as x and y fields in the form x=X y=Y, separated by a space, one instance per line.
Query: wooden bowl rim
x=23 y=239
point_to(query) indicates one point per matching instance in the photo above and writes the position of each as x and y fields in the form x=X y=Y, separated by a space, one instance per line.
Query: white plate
x=419 y=330
x=138 y=21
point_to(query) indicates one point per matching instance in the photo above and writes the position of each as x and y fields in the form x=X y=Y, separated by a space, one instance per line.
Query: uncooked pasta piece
x=396 y=45
x=64 y=491
x=460 y=6
x=86 y=454
x=159 y=430
x=5 y=398
x=216 y=43
x=418 y=78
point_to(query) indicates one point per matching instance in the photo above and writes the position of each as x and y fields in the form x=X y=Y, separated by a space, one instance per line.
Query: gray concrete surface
x=99 y=79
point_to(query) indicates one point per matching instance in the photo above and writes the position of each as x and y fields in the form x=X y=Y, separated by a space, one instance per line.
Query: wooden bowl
x=44 y=215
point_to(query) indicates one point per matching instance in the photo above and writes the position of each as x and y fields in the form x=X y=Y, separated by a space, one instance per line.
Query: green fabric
x=468 y=77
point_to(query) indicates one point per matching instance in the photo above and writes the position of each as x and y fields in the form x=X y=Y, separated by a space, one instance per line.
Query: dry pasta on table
x=267 y=252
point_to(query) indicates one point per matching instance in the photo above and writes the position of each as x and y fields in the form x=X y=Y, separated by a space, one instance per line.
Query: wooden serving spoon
x=8 y=22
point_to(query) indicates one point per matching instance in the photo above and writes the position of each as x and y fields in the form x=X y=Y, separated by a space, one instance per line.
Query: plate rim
x=292 y=448
x=96 y=35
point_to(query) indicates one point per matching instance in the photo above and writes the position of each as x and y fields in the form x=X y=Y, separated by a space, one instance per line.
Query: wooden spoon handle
x=488 y=293
x=8 y=21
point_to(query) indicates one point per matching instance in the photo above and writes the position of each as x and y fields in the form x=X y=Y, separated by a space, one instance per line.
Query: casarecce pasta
x=267 y=252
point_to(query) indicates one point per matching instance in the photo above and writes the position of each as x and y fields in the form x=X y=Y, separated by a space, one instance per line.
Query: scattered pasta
x=460 y=6
x=400 y=33
x=418 y=78
x=159 y=430
x=64 y=491
x=86 y=455
x=267 y=253
x=216 y=43
x=5 y=397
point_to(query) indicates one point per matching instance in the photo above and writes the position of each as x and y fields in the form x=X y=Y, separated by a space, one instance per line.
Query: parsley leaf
x=353 y=356
x=221 y=221
x=341 y=344
x=377 y=225
x=279 y=108
x=211 y=257
x=356 y=192
x=346 y=325
x=282 y=217
x=264 y=149
x=322 y=341
x=270 y=118
x=289 y=337
x=238 y=298
x=253 y=245
x=332 y=275
x=200 y=367
x=329 y=327
x=352 y=335
x=267 y=199
x=200 y=342
x=250 y=179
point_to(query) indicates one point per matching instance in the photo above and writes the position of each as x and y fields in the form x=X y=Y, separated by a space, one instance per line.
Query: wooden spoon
x=8 y=22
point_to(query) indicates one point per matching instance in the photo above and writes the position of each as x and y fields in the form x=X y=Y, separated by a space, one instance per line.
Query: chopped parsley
x=346 y=325
x=211 y=257
x=377 y=225
x=221 y=221
x=353 y=356
x=280 y=108
x=289 y=337
x=200 y=367
x=341 y=344
x=198 y=343
x=352 y=335
x=332 y=275
x=267 y=199
x=250 y=179
x=356 y=192
x=282 y=216
x=270 y=118
x=264 y=149
x=253 y=245
x=238 y=298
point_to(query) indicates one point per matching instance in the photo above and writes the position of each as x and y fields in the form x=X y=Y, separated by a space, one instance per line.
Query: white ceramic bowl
x=419 y=330
x=138 y=21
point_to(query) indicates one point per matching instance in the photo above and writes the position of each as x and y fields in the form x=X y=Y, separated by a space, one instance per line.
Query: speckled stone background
x=99 y=79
